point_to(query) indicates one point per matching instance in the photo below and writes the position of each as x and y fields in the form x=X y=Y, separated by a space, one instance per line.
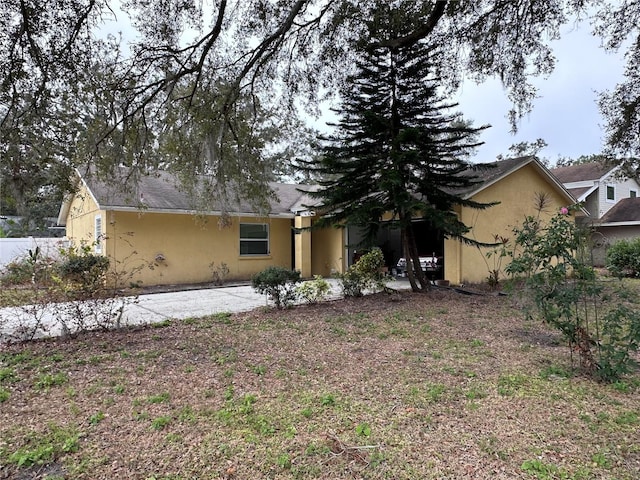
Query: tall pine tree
x=398 y=148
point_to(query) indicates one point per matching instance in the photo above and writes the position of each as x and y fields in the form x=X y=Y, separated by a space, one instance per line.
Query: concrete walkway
x=151 y=308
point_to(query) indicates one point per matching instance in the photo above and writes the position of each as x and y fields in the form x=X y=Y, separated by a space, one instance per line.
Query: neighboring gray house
x=613 y=203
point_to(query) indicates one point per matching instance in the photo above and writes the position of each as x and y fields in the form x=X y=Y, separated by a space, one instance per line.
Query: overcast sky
x=565 y=115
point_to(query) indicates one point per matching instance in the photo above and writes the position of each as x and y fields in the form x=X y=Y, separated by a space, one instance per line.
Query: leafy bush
x=85 y=268
x=278 y=283
x=623 y=258
x=314 y=291
x=568 y=295
x=365 y=274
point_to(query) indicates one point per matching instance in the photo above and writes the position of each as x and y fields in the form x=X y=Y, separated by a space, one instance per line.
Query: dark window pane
x=254 y=230
x=611 y=193
x=254 y=248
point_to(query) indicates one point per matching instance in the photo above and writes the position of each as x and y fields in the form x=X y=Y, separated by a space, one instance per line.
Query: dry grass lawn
x=432 y=386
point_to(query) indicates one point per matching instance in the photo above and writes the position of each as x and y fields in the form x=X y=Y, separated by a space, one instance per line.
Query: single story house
x=157 y=234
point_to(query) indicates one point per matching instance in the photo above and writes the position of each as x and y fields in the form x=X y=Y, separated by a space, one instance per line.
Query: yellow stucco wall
x=327 y=247
x=80 y=226
x=302 y=245
x=517 y=195
x=188 y=244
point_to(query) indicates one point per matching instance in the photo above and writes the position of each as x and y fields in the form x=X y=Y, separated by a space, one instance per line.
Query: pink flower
x=564 y=211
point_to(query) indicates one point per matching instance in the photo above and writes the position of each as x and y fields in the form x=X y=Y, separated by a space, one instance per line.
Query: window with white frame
x=98 y=234
x=254 y=239
x=611 y=193
x=633 y=194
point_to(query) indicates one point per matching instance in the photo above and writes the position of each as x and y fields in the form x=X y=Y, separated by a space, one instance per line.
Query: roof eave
x=634 y=223
x=176 y=211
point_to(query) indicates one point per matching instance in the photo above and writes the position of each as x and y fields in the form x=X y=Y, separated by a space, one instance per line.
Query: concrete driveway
x=153 y=308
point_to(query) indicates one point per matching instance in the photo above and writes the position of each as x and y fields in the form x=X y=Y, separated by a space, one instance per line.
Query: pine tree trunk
x=417 y=278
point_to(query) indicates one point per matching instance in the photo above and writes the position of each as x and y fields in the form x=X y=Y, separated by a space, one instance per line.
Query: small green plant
x=96 y=418
x=259 y=369
x=544 y=471
x=160 y=423
x=601 y=459
x=314 y=291
x=435 y=392
x=7 y=375
x=222 y=317
x=83 y=267
x=4 y=394
x=328 y=400
x=494 y=259
x=365 y=274
x=47 y=380
x=159 y=398
x=363 y=429
x=284 y=461
x=278 y=283
x=45 y=447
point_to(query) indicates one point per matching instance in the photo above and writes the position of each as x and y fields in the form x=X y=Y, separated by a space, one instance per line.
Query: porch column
x=303 y=245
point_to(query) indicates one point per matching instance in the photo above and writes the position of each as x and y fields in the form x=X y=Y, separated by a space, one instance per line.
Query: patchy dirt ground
x=413 y=386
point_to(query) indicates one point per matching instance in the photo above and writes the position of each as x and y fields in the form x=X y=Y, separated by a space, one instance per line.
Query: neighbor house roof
x=161 y=192
x=625 y=212
x=584 y=172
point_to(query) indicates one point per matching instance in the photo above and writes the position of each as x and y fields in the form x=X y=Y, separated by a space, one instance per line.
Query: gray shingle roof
x=626 y=210
x=581 y=173
x=161 y=191
x=578 y=192
x=489 y=173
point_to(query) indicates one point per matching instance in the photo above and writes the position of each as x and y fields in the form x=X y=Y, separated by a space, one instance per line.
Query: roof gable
x=490 y=173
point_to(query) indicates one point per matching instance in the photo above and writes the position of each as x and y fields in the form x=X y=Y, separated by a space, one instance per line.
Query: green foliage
x=398 y=148
x=84 y=268
x=46 y=447
x=365 y=274
x=494 y=259
x=159 y=423
x=163 y=397
x=623 y=258
x=553 y=260
x=328 y=400
x=96 y=418
x=47 y=380
x=4 y=394
x=313 y=291
x=363 y=429
x=278 y=283
x=544 y=471
x=284 y=461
